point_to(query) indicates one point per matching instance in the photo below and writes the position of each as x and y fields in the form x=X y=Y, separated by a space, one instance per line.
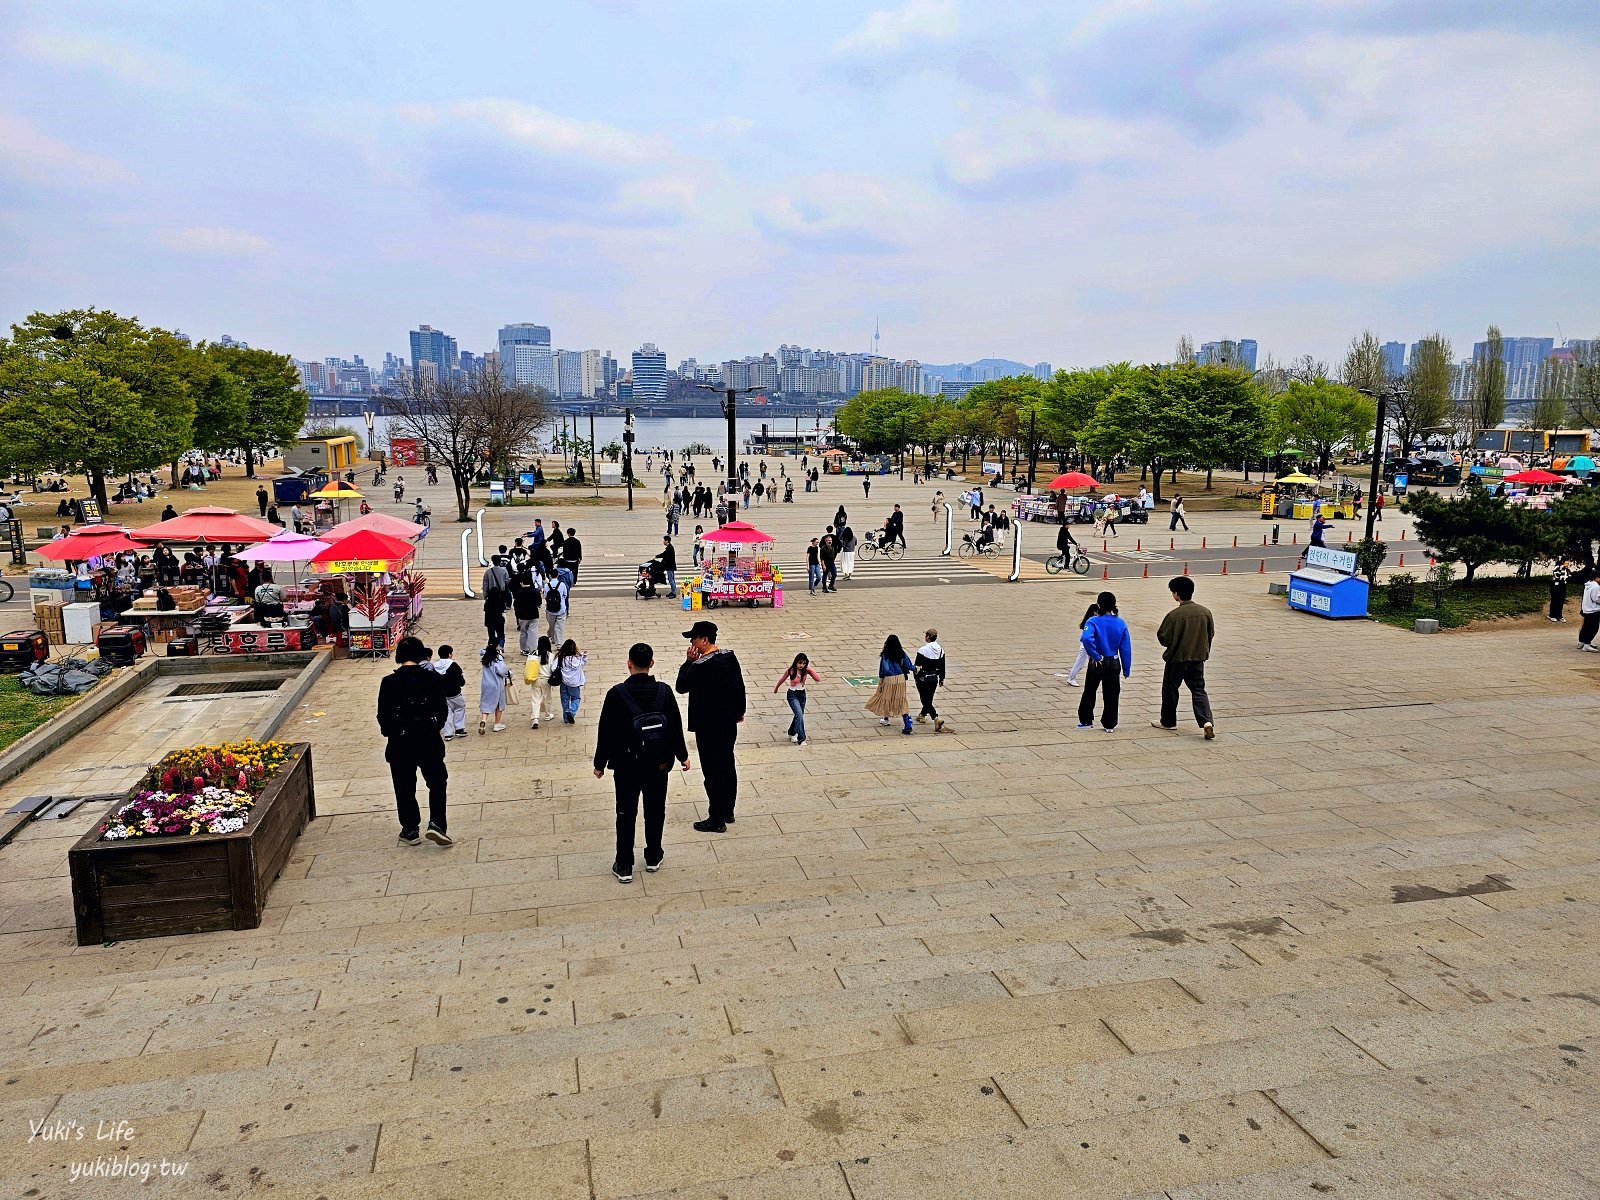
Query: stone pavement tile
x=1076 y=1007
x=554 y=1172
x=860 y=818
x=653 y=1159
x=825 y=1182
x=1461 y=909
x=1161 y=962
x=709 y=999
x=1424 y=935
x=778 y=1013
x=618 y=911
x=109 y=1136
x=623 y=1111
x=1424 y=1038
x=494 y=1052
x=910 y=1067
x=1275 y=979
x=1231 y=1020
x=1135 y=838
x=1353 y=1116
x=1112 y=1157
x=1131 y=1083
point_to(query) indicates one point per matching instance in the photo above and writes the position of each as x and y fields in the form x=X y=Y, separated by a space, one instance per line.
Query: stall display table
x=161 y=626
x=380 y=636
x=1327 y=585
x=262 y=639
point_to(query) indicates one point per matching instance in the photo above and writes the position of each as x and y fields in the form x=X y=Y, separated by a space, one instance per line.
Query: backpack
x=416 y=715
x=552 y=598
x=650 y=744
x=454 y=680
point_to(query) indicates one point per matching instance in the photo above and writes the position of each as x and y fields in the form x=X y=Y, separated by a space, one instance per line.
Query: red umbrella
x=209 y=525
x=737 y=533
x=363 y=550
x=1072 y=479
x=91 y=541
x=1537 y=475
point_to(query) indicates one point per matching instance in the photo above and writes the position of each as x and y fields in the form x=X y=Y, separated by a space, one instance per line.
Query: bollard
x=1426 y=625
x=1146 y=571
x=1172 y=543
x=1294 y=539
x=1402 y=560
x=1348 y=537
x=1236 y=541
x=1185 y=568
x=1274 y=536
x=1105 y=572
x=1263 y=569
x=1105 y=546
x=1138 y=543
x=1263 y=539
x=1202 y=543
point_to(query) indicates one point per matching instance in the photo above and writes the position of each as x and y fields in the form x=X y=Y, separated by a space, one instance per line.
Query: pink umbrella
x=376 y=522
x=288 y=546
x=736 y=533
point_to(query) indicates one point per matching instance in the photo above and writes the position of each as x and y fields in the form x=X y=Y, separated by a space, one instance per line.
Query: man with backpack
x=555 y=608
x=640 y=734
x=411 y=713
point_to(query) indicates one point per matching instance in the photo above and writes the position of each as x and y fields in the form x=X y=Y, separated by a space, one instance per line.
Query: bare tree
x=1363 y=364
x=1185 y=350
x=1307 y=369
x=1583 y=394
x=1489 y=382
x=1270 y=377
x=1551 y=405
x=1420 y=407
x=470 y=422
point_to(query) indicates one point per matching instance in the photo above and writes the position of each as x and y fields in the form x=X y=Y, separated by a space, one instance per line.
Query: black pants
x=830 y=574
x=630 y=785
x=715 y=747
x=1193 y=676
x=1589 y=628
x=926 y=689
x=1558 y=600
x=494 y=625
x=1104 y=675
x=404 y=763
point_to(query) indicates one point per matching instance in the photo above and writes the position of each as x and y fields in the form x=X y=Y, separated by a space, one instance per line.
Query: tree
x=1229 y=414
x=1489 y=382
x=89 y=390
x=1070 y=400
x=1583 y=392
x=1551 y=404
x=324 y=427
x=470 y=422
x=220 y=404
x=1146 y=419
x=1184 y=353
x=1363 y=364
x=1307 y=369
x=1479 y=528
x=275 y=404
x=1420 y=407
x=882 y=421
x=1576 y=522
x=1320 y=416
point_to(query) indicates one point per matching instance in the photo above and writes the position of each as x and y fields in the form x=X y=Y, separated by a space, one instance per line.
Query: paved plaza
x=1346 y=949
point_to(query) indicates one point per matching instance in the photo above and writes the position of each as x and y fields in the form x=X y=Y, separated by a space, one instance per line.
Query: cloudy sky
x=1069 y=181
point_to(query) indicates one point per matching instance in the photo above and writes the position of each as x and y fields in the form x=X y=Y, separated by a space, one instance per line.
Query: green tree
x=220 y=404
x=275 y=403
x=1320 y=416
x=92 y=391
x=1363 y=364
x=1479 y=528
x=1071 y=399
x=1146 y=419
x=1576 y=522
x=884 y=420
x=1489 y=382
x=1420 y=407
x=1229 y=414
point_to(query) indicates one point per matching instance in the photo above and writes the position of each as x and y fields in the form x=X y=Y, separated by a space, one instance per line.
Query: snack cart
x=385 y=598
x=737 y=569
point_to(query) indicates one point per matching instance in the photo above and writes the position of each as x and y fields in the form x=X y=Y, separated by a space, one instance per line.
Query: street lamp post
x=729 y=411
x=1382 y=397
x=627 y=452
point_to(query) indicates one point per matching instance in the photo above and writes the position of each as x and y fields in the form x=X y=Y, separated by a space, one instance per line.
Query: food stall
x=384 y=600
x=331 y=499
x=1080 y=511
x=737 y=569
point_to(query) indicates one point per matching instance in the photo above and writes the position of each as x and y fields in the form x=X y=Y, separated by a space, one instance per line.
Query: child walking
x=569 y=668
x=799 y=671
x=1083 y=655
x=890 y=698
x=536 y=673
x=455 y=700
x=494 y=686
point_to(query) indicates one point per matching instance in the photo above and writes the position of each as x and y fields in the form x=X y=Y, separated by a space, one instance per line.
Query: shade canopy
x=363 y=550
x=91 y=541
x=1295 y=477
x=831 y=453
x=1507 y=463
x=209 y=525
x=287 y=546
x=374 y=522
x=336 y=490
x=1537 y=475
x=1072 y=479
x=736 y=533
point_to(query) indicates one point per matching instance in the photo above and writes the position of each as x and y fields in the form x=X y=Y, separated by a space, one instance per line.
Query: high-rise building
x=430 y=345
x=1228 y=353
x=529 y=365
x=877 y=372
x=525 y=333
x=649 y=374
x=957 y=388
x=1394 y=359
x=608 y=369
x=908 y=377
x=569 y=374
x=313 y=377
x=1041 y=370
x=469 y=364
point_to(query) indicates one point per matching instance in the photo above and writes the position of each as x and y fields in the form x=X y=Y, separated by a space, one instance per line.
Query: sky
x=1071 y=182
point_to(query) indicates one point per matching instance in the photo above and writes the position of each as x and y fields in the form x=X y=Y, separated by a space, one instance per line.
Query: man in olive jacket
x=1186 y=633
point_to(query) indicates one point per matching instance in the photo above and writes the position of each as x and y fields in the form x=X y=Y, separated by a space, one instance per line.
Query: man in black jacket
x=571 y=552
x=640 y=764
x=668 y=558
x=411 y=713
x=714 y=683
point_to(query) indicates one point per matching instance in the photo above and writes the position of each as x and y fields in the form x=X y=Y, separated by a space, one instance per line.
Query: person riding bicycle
x=895 y=527
x=985 y=536
x=1065 y=542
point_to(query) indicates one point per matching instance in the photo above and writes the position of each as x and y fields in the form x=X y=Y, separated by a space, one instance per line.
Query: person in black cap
x=412 y=713
x=713 y=681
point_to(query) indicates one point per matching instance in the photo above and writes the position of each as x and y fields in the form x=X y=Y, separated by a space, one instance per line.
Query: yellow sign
x=353 y=566
x=1266 y=502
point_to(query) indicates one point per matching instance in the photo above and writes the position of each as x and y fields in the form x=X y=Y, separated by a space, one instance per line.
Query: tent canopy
x=1295 y=477
x=209 y=525
x=288 y=547
x=736 y=533
x=374 y=522
x=364 y=550
x=91 y=541
x=1537 y=475
x=336 y=490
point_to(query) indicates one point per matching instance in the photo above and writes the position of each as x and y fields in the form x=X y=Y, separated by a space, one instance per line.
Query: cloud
x=840 y=214
x=891 y=30
x=120 y=60
x=726 y=126
x=538 y=129
x=216 y=242
x=1033 y=150
x=28 y=153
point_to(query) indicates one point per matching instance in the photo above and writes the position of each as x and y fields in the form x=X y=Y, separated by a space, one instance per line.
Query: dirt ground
x=233 y=490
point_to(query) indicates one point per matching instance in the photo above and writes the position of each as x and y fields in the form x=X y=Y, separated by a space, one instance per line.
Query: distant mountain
x=991 y=368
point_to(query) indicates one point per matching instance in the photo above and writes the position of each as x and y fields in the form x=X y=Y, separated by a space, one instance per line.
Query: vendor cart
x=737 y=569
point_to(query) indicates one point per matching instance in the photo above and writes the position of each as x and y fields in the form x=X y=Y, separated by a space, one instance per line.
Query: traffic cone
x=1186 y=568
x=1263 y=569
x=1402 y=560
x=1105 y=572
x=1236 y=541
x=1348 y=537
x=1146 y=571
x=1172 y=543
x=1294 y=539
x=1224 y=566
x=1202 y=543
x=1105 y=546
x=1138 y=543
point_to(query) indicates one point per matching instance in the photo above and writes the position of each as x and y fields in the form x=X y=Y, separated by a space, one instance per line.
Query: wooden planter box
x=158 y=886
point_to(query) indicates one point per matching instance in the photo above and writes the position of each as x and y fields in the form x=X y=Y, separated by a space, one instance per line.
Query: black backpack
x=552 y=598
x=650 y=743
x=454 y=679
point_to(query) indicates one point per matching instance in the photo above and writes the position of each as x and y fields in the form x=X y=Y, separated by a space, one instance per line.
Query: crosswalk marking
x=612 y=577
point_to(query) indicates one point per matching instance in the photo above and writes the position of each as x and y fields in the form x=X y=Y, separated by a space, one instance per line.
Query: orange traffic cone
x=1224 y=566
x=1263 y=569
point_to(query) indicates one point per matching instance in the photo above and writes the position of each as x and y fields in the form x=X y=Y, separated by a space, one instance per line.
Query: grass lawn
x=22 y=712
x=1486 y=600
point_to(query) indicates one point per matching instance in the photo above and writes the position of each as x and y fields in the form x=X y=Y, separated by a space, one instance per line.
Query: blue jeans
x=672 y=581
x=570 y=698
x=814 y=575
x=697 y=553
x=797 y=705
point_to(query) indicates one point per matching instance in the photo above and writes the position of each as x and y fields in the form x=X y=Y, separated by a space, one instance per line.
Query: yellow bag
x=530 y=670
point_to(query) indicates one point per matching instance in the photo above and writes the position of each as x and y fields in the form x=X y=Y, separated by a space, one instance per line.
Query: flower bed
x=204 y=789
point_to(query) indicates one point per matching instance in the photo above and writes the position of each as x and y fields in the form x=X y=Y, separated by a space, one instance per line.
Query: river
x=650 y=433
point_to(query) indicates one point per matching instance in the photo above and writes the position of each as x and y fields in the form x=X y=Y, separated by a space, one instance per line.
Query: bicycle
x=1057 y=563
x=869 y=550
x=970 y=546
x=6 y=591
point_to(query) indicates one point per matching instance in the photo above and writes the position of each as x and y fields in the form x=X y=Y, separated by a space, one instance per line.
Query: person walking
x=938 y=503
x=889 y=700
x=1589 y=610
x=668 y=559
x=572 y=552
x=1560 y=575
x=455 y=700
x=847 y=551
x=525 y=607
x=640 y=734
x=1377 y=508
x=570 y=674
x=1177 y=514
x=1082 y=660
x=896 y=528
x=929 y=674
x=828 y=550
x=1110 y=650
x=411 y=715
x=555 y=609
x=714 y=682
x=1187 y=632
x=866 y=487
x=799 y=671
x=494 y=688
x=495 y=602
x=674 y=512
x=262 y=499
x=813 y=567
x=539 y=677
x=699 y=550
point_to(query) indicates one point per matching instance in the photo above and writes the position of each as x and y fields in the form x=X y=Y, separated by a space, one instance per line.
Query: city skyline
x=1059 y=182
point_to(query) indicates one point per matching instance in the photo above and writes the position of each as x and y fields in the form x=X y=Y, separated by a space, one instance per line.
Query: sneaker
x=535 y=725
x=1211 y=731
x=938 y=724
x=883 y=721
x=448 y=736
x=409 y=839
x=1591 y=648
x=1108 y=729
x=709 y=826
x=439 y=837
x=922 y=718
x=1552 y=620
x=1071 y=682
x=652 y=867
x=623 y=875
x=1165 y=728
x=499 y=728
x=1082 y=726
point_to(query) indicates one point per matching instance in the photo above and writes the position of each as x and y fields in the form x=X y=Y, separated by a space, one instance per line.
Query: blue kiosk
x=1327 y=585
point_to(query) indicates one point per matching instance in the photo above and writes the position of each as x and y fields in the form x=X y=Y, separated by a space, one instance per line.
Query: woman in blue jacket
x=1106 y=640
x=894 y=667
